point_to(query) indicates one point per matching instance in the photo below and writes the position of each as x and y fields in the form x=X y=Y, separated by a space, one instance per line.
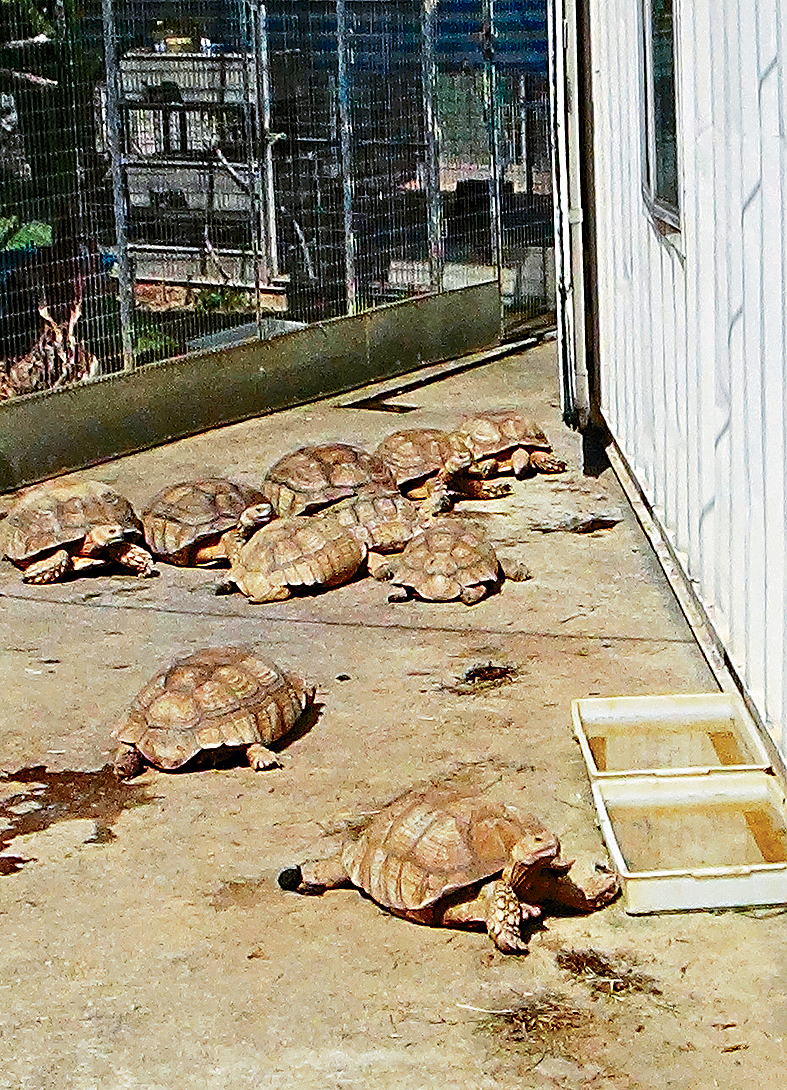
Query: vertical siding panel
x=772 y=379
x=749 y=492
x=694 y=343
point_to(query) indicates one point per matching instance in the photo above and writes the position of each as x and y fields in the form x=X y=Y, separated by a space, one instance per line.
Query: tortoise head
x=108 y=533
x=254 y=517
x=538 y=849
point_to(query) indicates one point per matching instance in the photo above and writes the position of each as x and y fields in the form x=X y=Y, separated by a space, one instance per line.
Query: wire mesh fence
x=173 y=183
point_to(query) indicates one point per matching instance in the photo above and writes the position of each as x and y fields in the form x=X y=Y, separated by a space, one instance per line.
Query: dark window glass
x=662 y=146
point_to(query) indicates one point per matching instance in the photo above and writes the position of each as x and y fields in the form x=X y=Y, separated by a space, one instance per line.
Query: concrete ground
x=145 y=942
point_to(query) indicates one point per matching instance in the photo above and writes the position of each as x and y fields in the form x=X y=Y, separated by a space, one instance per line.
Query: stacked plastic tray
x=691 y=812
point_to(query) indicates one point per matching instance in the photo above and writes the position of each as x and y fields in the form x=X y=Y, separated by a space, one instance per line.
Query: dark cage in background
x=172 y=183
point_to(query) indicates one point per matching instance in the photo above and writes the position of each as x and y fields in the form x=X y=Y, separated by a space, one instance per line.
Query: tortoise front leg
x=481 y=489
x=315 y=876
x=499 y=910
x=133 y=557
x=48 y=570
x=545 y=462
x=260 y=757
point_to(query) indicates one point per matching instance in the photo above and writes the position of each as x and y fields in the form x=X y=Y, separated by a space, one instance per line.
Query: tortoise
x=447 y=858
x=218 y=696
x=185 y=523
x=300 y=552
x=432 y=464
x=313 y=477
x=65 y=526
x=449 y=558
x=506 y=441
x=382 y=521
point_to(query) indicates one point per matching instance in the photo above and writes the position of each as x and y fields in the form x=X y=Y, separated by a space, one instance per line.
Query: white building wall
x=693 y=338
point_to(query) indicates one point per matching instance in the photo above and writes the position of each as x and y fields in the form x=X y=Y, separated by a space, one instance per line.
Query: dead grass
x=606 y=974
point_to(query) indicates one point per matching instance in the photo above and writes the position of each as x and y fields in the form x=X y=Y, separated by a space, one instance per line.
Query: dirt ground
x=145 y=942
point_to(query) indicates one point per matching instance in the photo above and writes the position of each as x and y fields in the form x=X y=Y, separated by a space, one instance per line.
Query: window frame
x=666 y=215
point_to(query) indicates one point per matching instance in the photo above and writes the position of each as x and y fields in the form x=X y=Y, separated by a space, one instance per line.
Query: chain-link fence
x=173 y=183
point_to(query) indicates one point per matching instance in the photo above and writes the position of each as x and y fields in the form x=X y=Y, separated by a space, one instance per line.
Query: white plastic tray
x=672 y=735
x=687 y=842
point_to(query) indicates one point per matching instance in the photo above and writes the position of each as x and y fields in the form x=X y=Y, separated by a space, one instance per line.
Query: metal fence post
x=115 y=143
x=432 y=134
x=265 y=141
x=493 y=129
x=345 y=137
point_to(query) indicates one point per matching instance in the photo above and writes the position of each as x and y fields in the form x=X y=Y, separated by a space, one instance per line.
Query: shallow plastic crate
x=689 y=842
x=673 y=735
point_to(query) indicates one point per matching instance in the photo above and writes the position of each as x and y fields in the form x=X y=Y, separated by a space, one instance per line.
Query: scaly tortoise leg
x=480 y=489
x=261 y=758
x=127 y=762
x=315 y=876
x=498 y=909
x=133 y=557
x=471 y=595
x=545 y=462
x=380 y=567
x=48 y=570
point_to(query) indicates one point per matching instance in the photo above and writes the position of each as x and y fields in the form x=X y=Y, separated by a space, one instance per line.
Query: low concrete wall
x=45 y=434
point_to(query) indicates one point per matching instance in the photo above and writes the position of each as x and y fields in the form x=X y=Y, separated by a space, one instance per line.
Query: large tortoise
x=506 y=441
x=433 y=465
x=449 y=559
x=65 y=526
x=292 y=553
x=442 y=857
x=313 y=477
x=186 y=523
x=219 y=696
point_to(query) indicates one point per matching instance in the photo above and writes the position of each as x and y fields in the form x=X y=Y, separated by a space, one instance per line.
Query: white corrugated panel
x=693 y=339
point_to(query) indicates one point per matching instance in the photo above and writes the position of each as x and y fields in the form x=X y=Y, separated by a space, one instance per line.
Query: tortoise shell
x=182 y=516
x=62 y=513
x=445 y=558
x=381 y=521
x=488 y=434
x=222 y=696
x=313 y=477
x=413 y=454
x=296 y=552
x=429 y=843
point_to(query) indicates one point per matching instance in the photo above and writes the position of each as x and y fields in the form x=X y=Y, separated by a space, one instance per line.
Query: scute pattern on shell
x=381 y=521
x=58 y=513
x=446 y=557
x=429 y=843
x=498 y=430
x=181 y=515
x=413 y=454
x=225 y=696
x=298 y=552
x=313 y=477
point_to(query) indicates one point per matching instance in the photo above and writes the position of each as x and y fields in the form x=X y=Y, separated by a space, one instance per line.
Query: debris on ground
x=606 y=974
x=482 y=677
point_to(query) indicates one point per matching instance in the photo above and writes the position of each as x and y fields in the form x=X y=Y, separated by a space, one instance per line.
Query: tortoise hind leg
x=128 y=762
x=315 y=876
x=48 y=570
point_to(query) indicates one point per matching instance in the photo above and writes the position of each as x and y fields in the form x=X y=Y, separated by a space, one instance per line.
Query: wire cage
x=176 y=182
